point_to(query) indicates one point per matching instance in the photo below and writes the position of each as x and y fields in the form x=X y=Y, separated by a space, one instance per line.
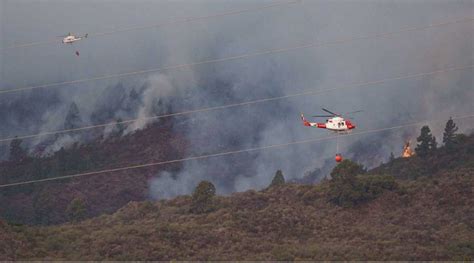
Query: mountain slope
x=47 y=202
x=425 y=219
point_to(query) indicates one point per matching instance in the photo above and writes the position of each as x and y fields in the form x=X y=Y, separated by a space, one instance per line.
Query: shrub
x=463 y=251
x=76 y=210
x=348 y=189
x=202 y=197
x=375 y=185
x=347 y=168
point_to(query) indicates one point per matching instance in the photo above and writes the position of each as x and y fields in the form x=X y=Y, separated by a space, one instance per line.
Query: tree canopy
x=347 y=168
x=426 y=142
x=449 y=135
x=278 y=179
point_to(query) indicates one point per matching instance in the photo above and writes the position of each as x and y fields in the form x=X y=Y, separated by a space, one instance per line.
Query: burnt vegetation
x=48 y=202
x=417 y=208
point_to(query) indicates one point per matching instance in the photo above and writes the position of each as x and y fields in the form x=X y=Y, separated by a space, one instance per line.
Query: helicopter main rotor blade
x=322 y=116
x=328 y=111
x=352 y=112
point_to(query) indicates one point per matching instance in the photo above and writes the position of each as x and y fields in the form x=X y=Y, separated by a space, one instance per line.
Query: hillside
x=46 y=203
x=426 y=217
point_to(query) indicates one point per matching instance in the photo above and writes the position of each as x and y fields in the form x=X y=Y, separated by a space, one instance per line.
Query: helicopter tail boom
x=312 y=124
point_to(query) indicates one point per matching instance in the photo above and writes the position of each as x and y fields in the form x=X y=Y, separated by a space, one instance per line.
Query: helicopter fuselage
x=336 y=124
x=71 y=39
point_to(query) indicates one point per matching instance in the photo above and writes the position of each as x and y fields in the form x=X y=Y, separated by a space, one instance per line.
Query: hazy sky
x=384 y=105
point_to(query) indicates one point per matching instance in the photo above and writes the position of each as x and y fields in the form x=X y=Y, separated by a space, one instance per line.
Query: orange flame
x=407 y=152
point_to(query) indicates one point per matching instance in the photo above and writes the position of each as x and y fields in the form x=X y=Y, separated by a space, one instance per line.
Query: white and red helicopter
x=70 y=39
x=336 y=123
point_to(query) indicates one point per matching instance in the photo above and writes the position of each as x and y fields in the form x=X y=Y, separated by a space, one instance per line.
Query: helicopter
x=335 y=123
x=70 y=38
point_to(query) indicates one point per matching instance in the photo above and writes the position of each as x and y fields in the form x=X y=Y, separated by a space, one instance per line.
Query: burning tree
x=407 y=152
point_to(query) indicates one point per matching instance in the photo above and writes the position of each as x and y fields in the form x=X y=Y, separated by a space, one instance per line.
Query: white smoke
x=157 y=87
x=168 y=186
x=256 y=77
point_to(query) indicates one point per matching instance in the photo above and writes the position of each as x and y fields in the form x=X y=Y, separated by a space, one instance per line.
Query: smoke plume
x=384 y=105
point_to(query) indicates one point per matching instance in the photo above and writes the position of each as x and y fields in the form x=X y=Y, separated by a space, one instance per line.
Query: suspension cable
x=237 y=57
x=251 y=102
x=172 y=22
x=207 y=156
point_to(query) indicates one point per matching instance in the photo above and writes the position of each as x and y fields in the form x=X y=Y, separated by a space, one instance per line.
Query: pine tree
x=73 y=118
x=134 y=95
x=449 y=135
x=278 y=179
x=17 y=153
x=392 y=157
x=426 y=142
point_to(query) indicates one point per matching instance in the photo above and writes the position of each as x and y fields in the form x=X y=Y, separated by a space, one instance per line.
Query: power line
x=237 y=57
x=206 y=156
x=207 y=109
x=172 y=22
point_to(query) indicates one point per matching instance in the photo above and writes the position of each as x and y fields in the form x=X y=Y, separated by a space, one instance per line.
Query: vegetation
x=202 y=197
x=73 y=118
x=426 y=142
x=76 y=210
x=278 y=179
x=349 y=187
x=38 y=203
x=17 y=153
x=392 y=157
x=120 y=127
x=10 y=242
x=435 y=161
x=418 y=208
x=450 y=136
x=347 y=169
x=431 y=219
